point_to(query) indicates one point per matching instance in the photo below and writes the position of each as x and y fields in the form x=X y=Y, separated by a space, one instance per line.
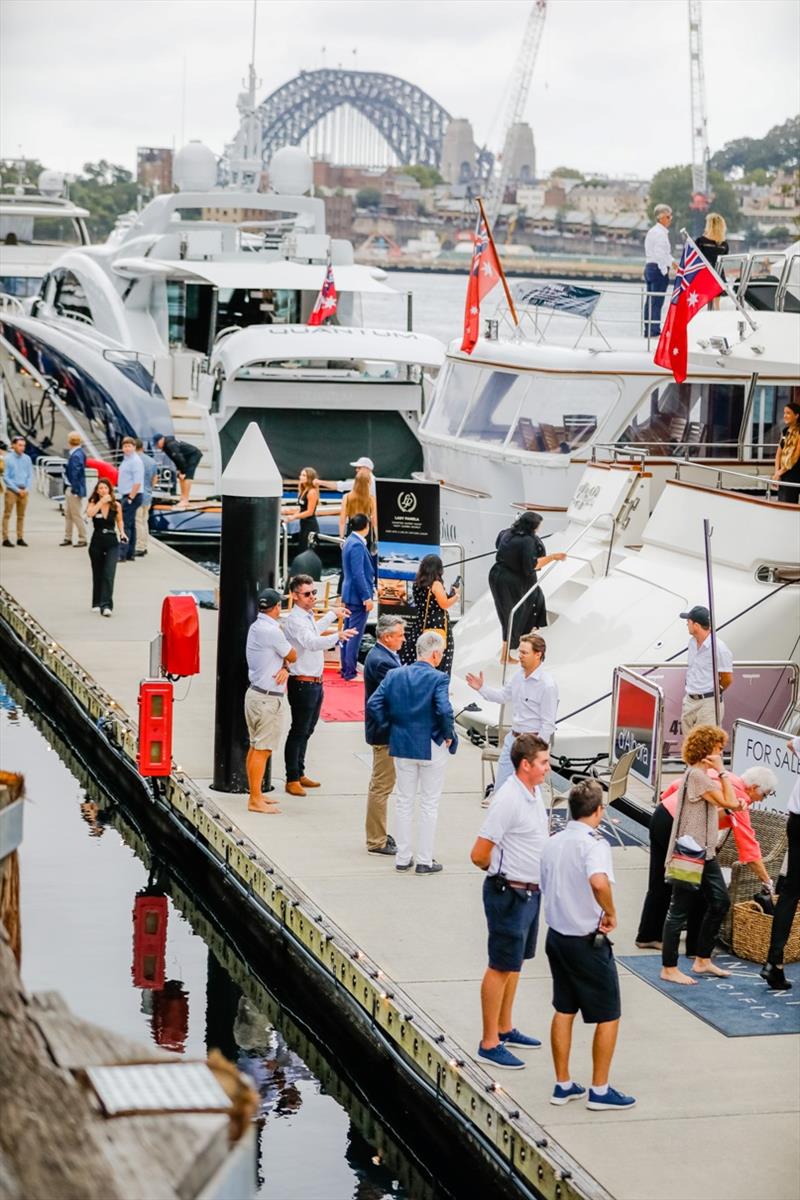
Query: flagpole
x=722 y=282
x=499 y=264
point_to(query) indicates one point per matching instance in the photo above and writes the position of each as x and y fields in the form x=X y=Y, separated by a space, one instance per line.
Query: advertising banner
x=408 y=529
x=636 y=723
x=757 y=745
x=559 y=297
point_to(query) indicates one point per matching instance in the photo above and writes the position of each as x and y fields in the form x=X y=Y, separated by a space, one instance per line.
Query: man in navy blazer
x=411 y=711
x=382 y=658
x=358 y=586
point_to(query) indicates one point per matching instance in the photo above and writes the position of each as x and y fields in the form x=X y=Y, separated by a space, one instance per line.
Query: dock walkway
x=716 y=1117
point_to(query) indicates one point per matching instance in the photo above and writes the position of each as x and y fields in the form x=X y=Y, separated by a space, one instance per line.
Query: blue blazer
x=358 y=571
x=378 y=663
x=411 y=709
x=75 y=471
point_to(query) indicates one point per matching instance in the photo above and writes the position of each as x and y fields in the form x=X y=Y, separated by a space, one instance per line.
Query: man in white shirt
x=309 y=637
x=698 y=700
x=268 y=657
x=658 y=260
x=533 y=695
x=576 y=878
x=509 y=848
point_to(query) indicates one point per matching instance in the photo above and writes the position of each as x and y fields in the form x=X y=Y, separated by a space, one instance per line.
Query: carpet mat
x=343 y=699
x=742 y=1006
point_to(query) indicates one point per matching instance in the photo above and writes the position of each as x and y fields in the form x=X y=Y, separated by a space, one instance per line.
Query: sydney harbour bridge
x=358 y=117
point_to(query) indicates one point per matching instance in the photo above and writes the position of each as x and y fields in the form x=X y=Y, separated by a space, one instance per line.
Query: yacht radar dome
x=51 y=183
x=291 y=172
x=195 y=168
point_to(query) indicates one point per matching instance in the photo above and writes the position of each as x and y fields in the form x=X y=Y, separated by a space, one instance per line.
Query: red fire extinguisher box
x=149 y=940
x=155 y=727
x=180 y=636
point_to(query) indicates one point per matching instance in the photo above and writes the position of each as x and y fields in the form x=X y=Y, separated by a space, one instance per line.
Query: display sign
x=408 y=529
x=559 y=297
x=637 y=709
x=757 y=745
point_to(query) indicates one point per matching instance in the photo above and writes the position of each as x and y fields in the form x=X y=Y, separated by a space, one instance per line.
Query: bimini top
x=252 y=272
x=283 y=343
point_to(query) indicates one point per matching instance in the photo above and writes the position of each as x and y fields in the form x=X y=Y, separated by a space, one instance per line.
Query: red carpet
x=343 y=700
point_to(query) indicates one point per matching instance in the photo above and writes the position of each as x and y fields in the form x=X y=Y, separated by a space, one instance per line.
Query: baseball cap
x=269 y=598
x=699 y=614
x=156 y=438
x=363 y=462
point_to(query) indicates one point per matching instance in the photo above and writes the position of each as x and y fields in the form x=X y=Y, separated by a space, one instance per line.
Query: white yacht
x=513 y=425
x=37 y=224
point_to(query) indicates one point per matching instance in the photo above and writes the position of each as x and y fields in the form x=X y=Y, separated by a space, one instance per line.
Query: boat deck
x=699 y=1094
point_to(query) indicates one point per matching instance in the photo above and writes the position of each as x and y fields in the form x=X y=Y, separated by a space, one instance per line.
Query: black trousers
x=103 y=554
x=305 y=703
x=129 y=510
x=790 y=894
x=659 y=890
x=715 y=894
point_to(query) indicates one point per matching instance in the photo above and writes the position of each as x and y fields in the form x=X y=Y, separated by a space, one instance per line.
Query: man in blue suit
x=411 y=712
x=358 y=586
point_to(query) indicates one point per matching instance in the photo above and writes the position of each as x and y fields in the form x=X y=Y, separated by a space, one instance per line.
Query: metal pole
x=723 y=283
x=251 y=503
x=707 y=532
x=409 y=311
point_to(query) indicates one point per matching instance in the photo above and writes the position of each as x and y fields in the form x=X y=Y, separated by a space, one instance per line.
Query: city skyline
x=89 y=104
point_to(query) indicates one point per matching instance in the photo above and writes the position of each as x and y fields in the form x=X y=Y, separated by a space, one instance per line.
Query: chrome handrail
x=769 y=483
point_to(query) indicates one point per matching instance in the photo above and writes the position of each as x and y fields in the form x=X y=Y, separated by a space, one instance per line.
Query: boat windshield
x=529 y=411
x=689 y=418
x=56 y=230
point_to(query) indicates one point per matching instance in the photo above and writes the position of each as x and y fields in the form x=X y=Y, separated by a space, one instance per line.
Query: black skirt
x=508 y=588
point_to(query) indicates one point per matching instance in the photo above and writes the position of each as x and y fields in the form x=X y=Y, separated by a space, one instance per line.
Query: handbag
x=426 y=628
x=685 y=864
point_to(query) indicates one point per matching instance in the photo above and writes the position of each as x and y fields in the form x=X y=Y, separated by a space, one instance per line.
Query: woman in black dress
x=520 y=553
x=307 y=501
x=713 y=246
x=431 y=605
x=105 y=512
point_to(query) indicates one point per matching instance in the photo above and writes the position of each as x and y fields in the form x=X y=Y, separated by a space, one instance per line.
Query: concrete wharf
x=716 y=1117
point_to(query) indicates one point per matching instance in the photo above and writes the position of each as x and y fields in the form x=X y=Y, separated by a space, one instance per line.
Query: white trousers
x=417 y=776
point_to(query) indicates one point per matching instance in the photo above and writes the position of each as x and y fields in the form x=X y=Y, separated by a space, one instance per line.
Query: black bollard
x=251 y=502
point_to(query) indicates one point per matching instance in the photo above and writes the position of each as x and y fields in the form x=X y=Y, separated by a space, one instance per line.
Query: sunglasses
x=312 y=592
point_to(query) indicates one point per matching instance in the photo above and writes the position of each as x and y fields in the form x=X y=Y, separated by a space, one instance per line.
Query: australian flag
x=327 y=300
x=695 y=284
x=484 y=273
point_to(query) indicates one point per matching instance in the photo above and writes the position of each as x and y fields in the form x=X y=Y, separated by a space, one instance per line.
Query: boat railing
x=766 y=280
x=11 y=304
x=643 y=451
x=767 y=483
x=589 y=525
x=612 y=317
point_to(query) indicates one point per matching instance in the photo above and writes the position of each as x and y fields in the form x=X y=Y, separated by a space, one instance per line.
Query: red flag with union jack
x=695 y=284
x=327 y=299
x=484 y=274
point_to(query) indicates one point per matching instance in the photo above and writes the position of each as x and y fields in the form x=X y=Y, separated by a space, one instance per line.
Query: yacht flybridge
x=209 y=290
x=37 y=224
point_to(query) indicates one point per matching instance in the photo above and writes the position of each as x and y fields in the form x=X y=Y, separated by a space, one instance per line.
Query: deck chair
x=615 y=783
x=489 y=756
x=579 y=427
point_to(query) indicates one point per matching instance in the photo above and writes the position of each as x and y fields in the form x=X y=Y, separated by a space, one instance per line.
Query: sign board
x=559 y=297
x=757 y=745
x=636 y=717
x=408 y=529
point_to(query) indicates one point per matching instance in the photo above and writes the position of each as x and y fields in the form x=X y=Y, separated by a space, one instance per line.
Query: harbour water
x=83 y=862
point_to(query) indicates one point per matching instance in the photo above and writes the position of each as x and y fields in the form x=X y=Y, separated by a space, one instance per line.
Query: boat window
x=494 y=406
x=19 y=285
x=262 y=306
x=55 y=230
x=559 y=414
x=328 y=369
x=70 y=298
x=451 y=397
x=766 y=418
x=689 y=419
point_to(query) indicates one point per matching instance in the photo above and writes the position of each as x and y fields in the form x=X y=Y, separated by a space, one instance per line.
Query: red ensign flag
x=325 y=306
x=695 y=284
x=484 y=273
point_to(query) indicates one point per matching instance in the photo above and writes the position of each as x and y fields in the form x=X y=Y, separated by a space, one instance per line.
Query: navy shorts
x=513 y=919
x=192 y=463
x=585 y=977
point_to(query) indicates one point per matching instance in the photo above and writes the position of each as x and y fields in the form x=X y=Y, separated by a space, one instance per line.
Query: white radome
x=195 y=168
x=291 y=172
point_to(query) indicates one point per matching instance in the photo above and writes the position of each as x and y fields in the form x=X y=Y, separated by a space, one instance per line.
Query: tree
x=368 y=198
x=426 y=177
x=107 y=190
x=673 y=186
x=15 y=171
x=778 y=150
x=566 y=173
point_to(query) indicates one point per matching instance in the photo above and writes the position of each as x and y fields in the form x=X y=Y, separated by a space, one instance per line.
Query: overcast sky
x=89 y=79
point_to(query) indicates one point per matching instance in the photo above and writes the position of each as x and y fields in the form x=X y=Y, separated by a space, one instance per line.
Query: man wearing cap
x=268 y=657
x=698 y=701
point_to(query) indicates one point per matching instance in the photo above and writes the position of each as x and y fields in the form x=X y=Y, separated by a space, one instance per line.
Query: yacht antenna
x=700 y=197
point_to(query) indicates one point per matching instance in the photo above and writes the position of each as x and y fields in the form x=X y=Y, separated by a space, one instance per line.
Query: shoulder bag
x=685 y=864
x=426 y=628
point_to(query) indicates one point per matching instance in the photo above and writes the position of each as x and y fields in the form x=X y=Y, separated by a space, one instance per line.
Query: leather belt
x=307 y=678
x=526 y=887
x=699 y=695
x=521 y=732
x=264 y=691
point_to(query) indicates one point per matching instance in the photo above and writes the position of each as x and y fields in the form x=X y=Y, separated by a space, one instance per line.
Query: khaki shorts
x=264 y=717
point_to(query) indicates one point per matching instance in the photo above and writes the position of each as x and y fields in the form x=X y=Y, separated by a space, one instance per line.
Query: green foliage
x=781 y=233
x=107 y=190
x=673 y=186
x=759 y=177
x=566 y=173
x=426 y=177
x=12 y=171
x=368 y=198
x=777 y=150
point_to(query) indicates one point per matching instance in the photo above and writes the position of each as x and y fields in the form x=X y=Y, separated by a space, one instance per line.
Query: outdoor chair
x=770 y=829
x=489 y=756
x=614 y=783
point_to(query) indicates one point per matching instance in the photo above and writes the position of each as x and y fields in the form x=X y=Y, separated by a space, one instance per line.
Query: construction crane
x=700 y=197
x=517 y=98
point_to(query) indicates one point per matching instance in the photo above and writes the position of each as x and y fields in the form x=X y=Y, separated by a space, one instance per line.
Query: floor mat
x=742 y=1006
x=343 y=699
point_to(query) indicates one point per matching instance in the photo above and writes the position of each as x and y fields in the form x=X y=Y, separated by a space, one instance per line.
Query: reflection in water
x=101 y=913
